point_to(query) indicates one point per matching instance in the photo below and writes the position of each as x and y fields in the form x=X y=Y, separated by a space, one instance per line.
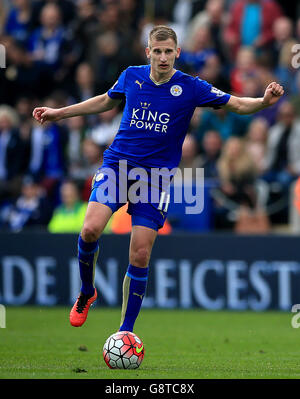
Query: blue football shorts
x=116 y=183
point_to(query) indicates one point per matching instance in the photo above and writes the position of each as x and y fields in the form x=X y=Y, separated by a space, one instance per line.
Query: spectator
x=193 y=59
x=31 y=209
x=283 y=54
x=84 y=88
x=256 y=142
x=85 y=25
x=129 y=14
x=13 y=153
x=46 y=42
x=214 y=17
x=108 y=59
x=112 y=52
x=226 y=123
x=283 y=148
x=24 y=107
x=212 y=146
x=92 y=158
x=251 y=87
x=50 y=50
x=237 y=173
x=66 y=9
x=48 y=152
x=108 y=124
x=298 y=29
x=4 y=7
x=195 y=121
x=76 y=136
x=295 y=98
x=245 y=68
x=189 y=158
x=283 y=37
x=212 y=72
x=109 y=16
x=19 y=24
x=20 y=76
x=251 y=23
x=84 y=83
x=68 y=217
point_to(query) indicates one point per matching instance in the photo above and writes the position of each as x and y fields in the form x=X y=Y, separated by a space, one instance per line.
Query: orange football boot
x=80 y=309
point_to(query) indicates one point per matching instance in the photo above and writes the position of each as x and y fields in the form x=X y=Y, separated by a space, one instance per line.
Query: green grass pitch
x=38 y=342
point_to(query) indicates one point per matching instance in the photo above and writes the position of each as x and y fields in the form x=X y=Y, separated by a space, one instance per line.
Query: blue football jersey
x=156 y=117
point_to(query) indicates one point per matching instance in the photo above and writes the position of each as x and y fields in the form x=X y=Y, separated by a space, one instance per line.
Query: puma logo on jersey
x=141 y=296
x=140 y=84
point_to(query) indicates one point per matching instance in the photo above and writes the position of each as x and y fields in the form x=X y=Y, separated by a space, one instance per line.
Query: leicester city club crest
x=176 y=90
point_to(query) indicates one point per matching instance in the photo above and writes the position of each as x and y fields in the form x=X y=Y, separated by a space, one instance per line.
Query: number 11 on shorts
x=162 y=201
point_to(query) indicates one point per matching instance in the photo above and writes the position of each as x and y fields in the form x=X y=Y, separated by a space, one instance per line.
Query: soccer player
x=160 y=102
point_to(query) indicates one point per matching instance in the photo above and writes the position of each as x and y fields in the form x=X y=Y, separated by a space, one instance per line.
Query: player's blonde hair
x=162 y=32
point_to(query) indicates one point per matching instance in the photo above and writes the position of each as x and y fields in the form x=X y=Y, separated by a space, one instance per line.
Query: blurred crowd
x=59 y=52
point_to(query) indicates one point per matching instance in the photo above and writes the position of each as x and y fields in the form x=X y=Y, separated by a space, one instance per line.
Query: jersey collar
x=163 y=81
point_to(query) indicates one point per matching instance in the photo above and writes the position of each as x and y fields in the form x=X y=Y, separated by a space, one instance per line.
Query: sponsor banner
x=211 y=272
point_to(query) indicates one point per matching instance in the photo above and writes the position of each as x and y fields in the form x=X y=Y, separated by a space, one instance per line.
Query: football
x=123 y=350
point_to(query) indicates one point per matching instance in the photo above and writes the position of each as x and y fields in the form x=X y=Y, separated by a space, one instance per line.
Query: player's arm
x=93 y=105
x=248 y=105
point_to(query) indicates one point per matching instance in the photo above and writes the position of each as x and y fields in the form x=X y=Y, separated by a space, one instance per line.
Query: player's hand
x=46 y=114
x=273 y=93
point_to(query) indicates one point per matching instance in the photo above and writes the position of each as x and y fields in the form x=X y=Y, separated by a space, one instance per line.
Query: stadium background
x=240 y=252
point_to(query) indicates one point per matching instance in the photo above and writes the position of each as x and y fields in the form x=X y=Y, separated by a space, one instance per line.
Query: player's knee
x=140 y=257
x=90 y=233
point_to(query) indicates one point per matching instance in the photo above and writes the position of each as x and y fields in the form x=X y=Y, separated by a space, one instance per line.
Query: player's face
x=162 y=55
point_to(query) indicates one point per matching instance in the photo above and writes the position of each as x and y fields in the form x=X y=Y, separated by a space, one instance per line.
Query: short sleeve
x=118 y=89
x=209 y=96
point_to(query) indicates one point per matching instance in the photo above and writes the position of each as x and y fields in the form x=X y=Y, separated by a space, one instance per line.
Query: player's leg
x=102 y=203
x=135 y=280
x=96 y=218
